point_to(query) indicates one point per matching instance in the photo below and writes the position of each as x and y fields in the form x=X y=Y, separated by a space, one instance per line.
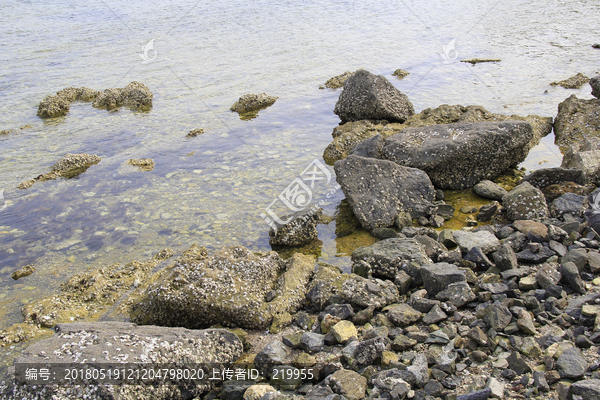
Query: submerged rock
x=301 y=228
x=378 y=189
x=71 y=165
x=56 y=106
x=23 y=272
x=195 y=132
x=576 y=119
x=457 y=156
x=98 y=344
x=135 y=96
x=369 y=96
x=229 y=288
x=145 y=164
x=574 y=82
x=337 y=81
x=400 y=73
x=249 y=103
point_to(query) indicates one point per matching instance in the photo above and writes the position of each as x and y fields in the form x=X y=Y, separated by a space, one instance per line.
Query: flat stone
x=588 y=389
x=458 y=293
x=486 y=241
x=312 y=342
x=570 y=364
x=489 y=190
x=403 y=315
x=434 y=315
x=436 y=277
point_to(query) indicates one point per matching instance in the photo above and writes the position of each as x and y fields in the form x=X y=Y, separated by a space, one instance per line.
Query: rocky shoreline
x=509 y=309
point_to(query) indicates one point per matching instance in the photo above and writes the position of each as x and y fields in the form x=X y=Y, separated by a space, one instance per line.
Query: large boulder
x=300 y=229
x=109 y=344
x=229 y=288
x=457 y=156
x=388 y=257
x=576 y=119
x=347 y=136
x=378 y=189
x=369 y=96
x=525 y=202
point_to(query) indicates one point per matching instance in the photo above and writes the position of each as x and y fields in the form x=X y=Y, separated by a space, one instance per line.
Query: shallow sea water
x=211 y=189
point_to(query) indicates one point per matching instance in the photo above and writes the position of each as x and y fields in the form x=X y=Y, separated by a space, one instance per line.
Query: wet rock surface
x=300 y=228
x=251 y=103
x=70 y=166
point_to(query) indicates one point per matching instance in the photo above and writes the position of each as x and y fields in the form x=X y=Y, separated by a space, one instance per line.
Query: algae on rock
x=70 y=166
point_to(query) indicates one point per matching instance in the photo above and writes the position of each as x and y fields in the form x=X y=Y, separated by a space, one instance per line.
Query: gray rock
x=250 y=103
x=104 y=343
x=300 y=228
x=579 y=257
x=446 y=238
x=542 y=178
x=505 y=258
x=592 y=216
x=486 y=241
x=196 y=291
x=558 y=248
x=275 y=353
x=234 y=390
x=446 y=211
x=362 y=292
x=517 y=363
x=403 y=315
x=420 y=370
x=525 y=202
x=475 y=255
x=402 y=282
x=436 y=277
x=432 y=247
x=588 y=389
x=548 y=275
x=494 y=288
x=594 y=262
x=312 y=342
x=434 y=315
x=320 y=392
x=576 y=119
x=497 y=316
x=392 y=383
x=482 y=394
x=595 y=84
x=447 y=152
x=387 y=257
x=458 y=293
x=527 y=256
x=571 y=365
x=570 y=274
x=378 y=189
x=369 y=148
x=361 y=354
x=341 y=311
x=489 y=190
x=540 y=382
x=437 y=337
x=487 y=211
x=369 y=96
x=568 y=203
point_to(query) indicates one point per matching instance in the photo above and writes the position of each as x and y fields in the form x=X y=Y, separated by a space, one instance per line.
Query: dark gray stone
x=570 y=274
x=274 y=354
x=505 y=258
x=497 y=316
x=576 y=119
x=517 y=363
x=432 y=247
x=300 y=228
x=361 y=292
x=436 y=277
x=384 y=233
x=486 y=241
x=525 y=202
x=378 y=189
x=458 y=294
x=369 y=148
x=542 y=178
x=579 y=257
x=459 y=155
x=477 y=256
x=361 y=354
x=234 y=390
x=486 y=212
x=489 y=190
x=342 y=311
x=494 y=288
x=595 y=84
x=434 y=315
x=548 y=275
x=527 y=256
x=540 y=382
x=446 y=211
x=571 y=365
x=312 y=342
x=568 y=203
x=482 y=394
x=387 y=257
x=369 y=96
x=588 y=389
